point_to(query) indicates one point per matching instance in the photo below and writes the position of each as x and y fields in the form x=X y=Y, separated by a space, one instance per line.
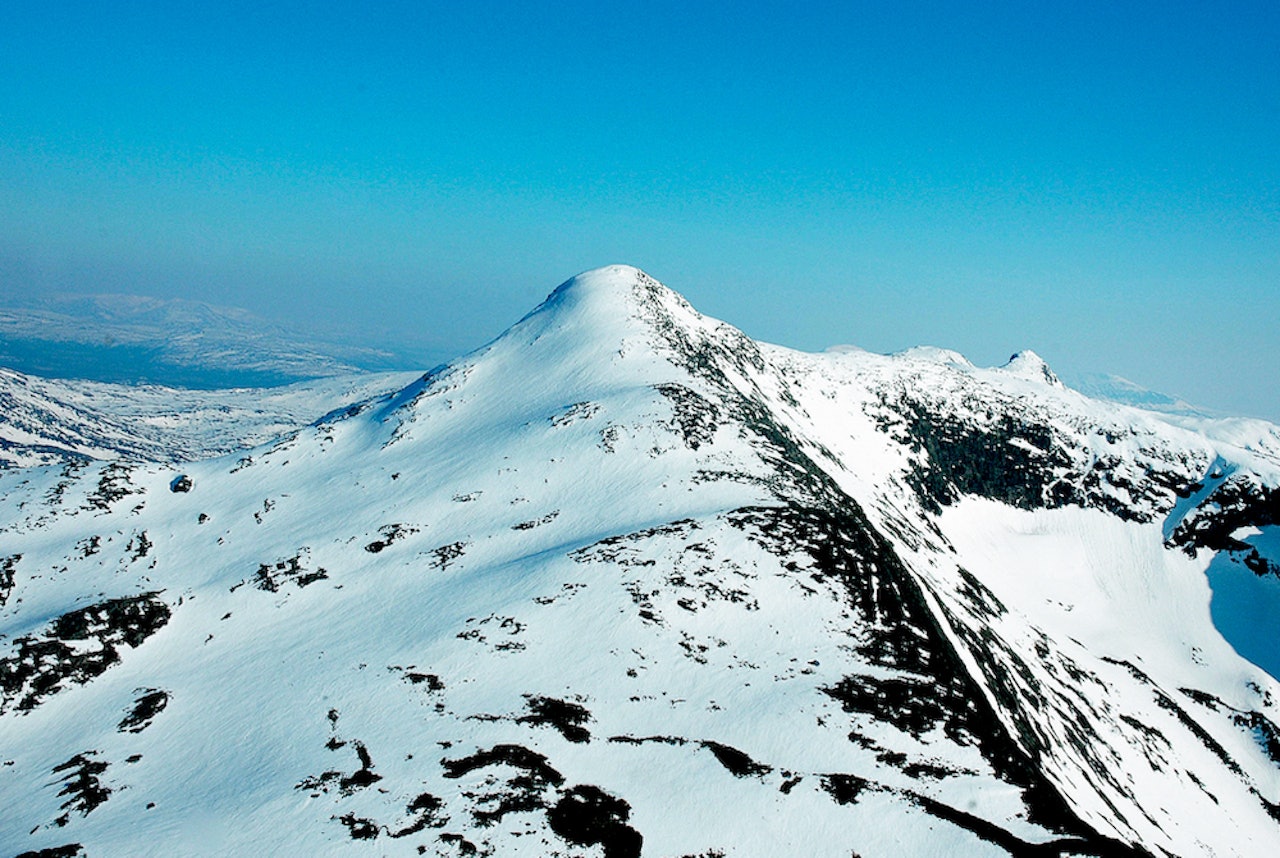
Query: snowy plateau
x=625 y=582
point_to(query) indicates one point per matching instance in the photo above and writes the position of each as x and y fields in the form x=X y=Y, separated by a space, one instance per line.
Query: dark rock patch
x=361 y=777
x=994 y=447
x=424 y=812
x=270 y=577
x=8 y=565
x=433 y=682
x=574 y=413
x=644 y=740
x=267 y=505
x=149 y=703
x=932 y=771
x=845 y=789
x=71 y=850
x=567 y=590
x=910 y=704
x=345 y=784
x=563 y=715
x=444 y=556
x=738 y=763
x=524 y=791
x=501 y=634
x=696 y=417
x=1264 y=731
x=113 y=484
x=962 y=458
x=516 y=756
x=1014 y=845
x=465 y=846
x=76 y=647
x=587 y=815
x=358 y=827
x=389 y=534
x=82 y=785
x=609 y=436
x=537 y=522
x=1241 y=501
x=622 y=550
x=139 y=546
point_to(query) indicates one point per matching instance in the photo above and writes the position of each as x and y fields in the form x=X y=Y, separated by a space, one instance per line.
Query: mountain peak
x=609 y=290
x=1029 y=365
x=934 y=354
x=605 y=280
x=605 y=306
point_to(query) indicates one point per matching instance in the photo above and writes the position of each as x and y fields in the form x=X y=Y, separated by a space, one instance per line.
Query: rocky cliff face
x=625 y=582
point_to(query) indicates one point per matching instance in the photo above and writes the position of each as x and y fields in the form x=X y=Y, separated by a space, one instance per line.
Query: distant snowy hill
x=626 y=583
x=130 y=339
x=46 y=421
x=1118 y=389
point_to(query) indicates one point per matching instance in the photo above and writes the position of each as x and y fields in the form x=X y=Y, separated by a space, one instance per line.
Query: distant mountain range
x=1119 y=389
x=130 y=339
x=127 y=339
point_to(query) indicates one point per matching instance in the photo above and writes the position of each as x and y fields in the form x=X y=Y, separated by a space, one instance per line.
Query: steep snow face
x=624 y=582
x=1064 y=542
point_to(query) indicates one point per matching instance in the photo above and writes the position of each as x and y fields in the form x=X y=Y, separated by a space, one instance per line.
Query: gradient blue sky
x=1097 y=181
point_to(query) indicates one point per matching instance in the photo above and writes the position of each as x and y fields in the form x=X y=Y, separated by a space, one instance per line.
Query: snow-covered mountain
x=625 y=582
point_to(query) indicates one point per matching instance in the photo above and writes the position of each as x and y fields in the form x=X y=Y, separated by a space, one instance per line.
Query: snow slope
x=625 y=582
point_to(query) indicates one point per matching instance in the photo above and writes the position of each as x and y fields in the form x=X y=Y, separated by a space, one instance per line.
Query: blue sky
x=1096 y=181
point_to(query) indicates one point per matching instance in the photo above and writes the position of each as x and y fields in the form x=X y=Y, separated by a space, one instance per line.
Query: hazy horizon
x=1097 y=184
